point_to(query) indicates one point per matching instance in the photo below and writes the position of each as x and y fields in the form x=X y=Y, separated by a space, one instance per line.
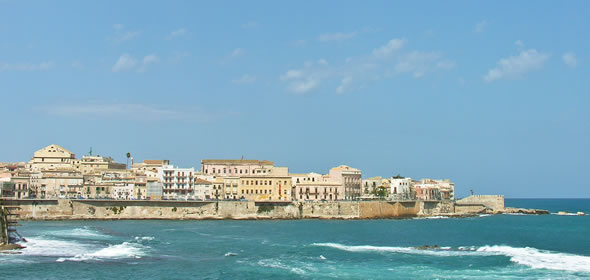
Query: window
x=240 y=171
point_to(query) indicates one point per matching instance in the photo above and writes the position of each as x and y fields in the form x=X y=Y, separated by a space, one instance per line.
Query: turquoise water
x=489 y=247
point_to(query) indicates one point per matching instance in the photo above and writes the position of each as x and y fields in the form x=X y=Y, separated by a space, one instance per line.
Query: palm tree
x=128 y=156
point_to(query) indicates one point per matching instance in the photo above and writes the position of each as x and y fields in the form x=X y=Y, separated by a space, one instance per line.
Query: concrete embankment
x=64 y=209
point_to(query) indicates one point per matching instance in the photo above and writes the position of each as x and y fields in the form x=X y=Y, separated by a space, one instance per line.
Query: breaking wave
x=113 y=252
x=541 y=259
x=83 y=232
x=277 y=264
x=527 y=256
x=53 y=248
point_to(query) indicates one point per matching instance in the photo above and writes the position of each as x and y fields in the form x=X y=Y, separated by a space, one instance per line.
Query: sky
x=491 y=94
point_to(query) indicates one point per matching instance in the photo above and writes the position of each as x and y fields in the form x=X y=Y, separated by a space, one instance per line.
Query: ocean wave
x=147 y=238
x=541 y=259
x=403 y=250
x=53 y=248
x=527 y=256
x=431 y=218
x=277 y=264
x=83 y=232
x=113 y=252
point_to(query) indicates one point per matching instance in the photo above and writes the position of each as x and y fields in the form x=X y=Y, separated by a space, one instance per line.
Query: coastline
x=79 y=209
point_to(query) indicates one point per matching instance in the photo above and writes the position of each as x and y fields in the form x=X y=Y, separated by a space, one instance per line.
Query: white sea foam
x=531 y=257
x=53 y=248
x=541 y=259
x=565 y=214
x=84 y=232
x=277 y=264
x=485 y=215
x=147 y=238
x=230 y=254
x=118 y=251
x=403 y=250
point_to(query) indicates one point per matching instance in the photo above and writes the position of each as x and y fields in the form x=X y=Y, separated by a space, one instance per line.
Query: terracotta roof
x=201 y=181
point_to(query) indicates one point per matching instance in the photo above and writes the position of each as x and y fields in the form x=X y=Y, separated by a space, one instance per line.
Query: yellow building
x=52 y=157
x=272 y=184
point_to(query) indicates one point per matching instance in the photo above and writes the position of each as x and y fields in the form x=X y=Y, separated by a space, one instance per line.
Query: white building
x=123 y=191
x=178 y=182
x=402 y=188
x=203 y=189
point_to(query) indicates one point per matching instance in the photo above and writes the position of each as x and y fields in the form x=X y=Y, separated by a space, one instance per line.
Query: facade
x=123 y=191
x=154 y=190
x=234 y=168
x=58 y=183
x=202 y=189
x=22 y=182
x=350 y=178
x=177 y=182
x=430 y=189
x=270 y=184
x=52 y=157
x=402 y=188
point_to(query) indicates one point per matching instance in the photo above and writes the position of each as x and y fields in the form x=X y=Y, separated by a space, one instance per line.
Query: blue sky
x=493 y=95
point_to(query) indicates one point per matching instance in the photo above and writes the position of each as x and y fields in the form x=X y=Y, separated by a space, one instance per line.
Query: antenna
x=90 y=153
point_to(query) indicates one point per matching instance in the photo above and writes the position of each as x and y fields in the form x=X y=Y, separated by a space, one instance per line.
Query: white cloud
x=292 y=74
x=26 y=67
x=391 y=46
x=303 y=86
x=237 y=52
x=570 y=59
x=383 y=62
x=516 y=66
x=122 y=35
x=148 y=60
x=298 y=43
x=124 y=63
x=250 y=25
x=245 y=79
x=77 y=64
x=481 y=26
x=344 y=84
x=338 y=36
x=176 y=33
x=419 y=63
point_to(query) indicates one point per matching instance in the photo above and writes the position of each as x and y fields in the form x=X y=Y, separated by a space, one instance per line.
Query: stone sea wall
x=132 y=209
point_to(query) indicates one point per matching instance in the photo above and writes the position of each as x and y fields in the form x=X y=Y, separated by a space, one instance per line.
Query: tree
x=382 y=192
x=128 y=156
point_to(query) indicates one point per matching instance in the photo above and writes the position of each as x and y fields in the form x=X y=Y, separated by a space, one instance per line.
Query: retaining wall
x=134 y=209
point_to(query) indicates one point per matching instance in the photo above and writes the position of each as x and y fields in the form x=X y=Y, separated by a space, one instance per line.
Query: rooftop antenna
x=90 y=153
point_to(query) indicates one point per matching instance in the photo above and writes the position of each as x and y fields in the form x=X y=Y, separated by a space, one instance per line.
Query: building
x=316 y=187
x=350 y=178
x=202 y=189
x=22 y=183
x=233 y=167
x=58 y=183
x=402 y=188
x=52 y=157
x=154 y=190
x=123 y=191
x=430 y=189
x=266 y=184
x=177 y=182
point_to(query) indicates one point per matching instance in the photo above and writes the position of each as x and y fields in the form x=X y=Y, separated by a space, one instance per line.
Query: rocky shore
x=511 y=210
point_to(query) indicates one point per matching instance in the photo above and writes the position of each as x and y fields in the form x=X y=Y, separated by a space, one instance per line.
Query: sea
x=483 y=247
